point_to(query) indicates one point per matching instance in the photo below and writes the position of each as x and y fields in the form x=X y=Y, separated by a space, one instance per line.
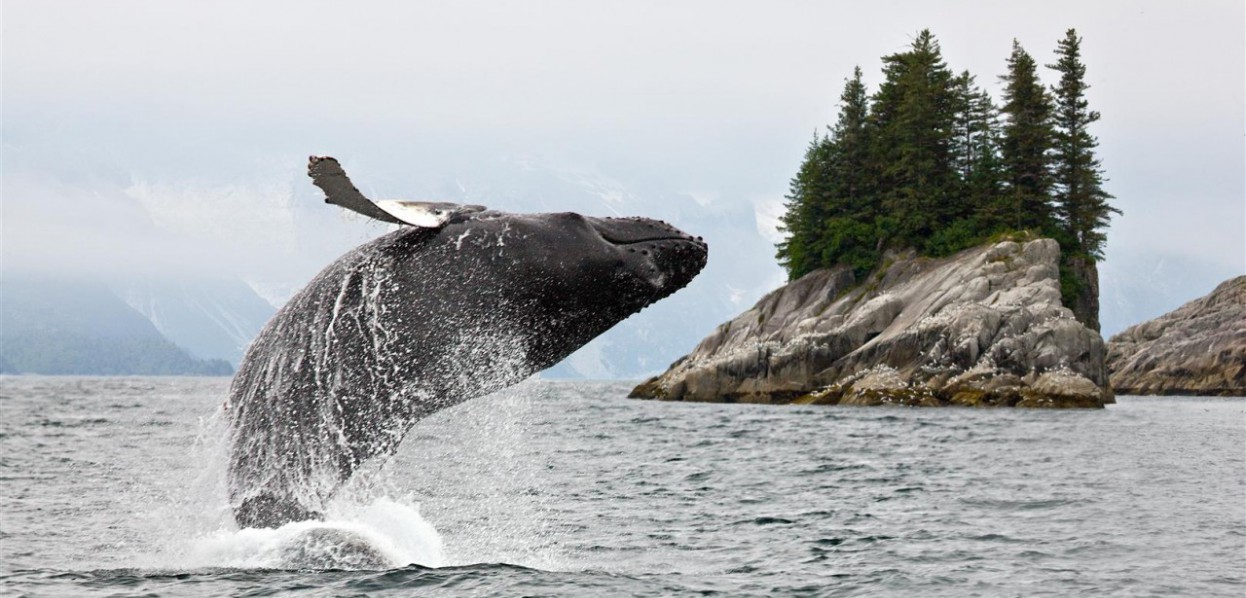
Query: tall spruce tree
x=830 y=214
x=976 y=144
x=798 y=252
x=964 y=139
x=984 y=184
x=1081 y=202
x=1026 y=144
x=849 y=235
x=913 y=117
x=972 y=216
x=851 y=159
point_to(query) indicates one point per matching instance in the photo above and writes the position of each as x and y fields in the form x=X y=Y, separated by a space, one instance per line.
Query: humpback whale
x=459 y=302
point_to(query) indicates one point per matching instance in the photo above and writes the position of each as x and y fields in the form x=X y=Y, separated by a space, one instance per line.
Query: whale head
x=561 y=278
x=661 y=258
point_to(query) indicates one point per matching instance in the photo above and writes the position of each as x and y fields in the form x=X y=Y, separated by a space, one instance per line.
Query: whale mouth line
x=657 y=239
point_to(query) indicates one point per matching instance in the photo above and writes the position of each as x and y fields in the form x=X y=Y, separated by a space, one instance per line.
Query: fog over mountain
x=171 y=250
x=161 y=148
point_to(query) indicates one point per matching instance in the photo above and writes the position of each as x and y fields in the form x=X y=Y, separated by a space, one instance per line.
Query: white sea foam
x=364 y=527
x=381 y=535
x=374 y=521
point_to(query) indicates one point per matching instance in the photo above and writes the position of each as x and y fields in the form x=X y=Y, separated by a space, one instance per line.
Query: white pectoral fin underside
x=416 y=213
x=327 y=174
x=427 y=214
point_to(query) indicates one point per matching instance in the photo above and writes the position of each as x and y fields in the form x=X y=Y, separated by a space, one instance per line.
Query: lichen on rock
x=984 y=327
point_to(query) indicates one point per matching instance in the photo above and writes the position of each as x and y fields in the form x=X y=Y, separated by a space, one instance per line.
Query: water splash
x=363 y=529
x=382 y=535
x=472 y=469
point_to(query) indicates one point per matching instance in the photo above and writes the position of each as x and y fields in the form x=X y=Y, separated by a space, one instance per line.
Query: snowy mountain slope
x=50 y=326
x=210 y=318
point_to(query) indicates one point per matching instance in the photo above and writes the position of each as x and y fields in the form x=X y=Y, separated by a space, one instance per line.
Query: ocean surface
x=114 y=487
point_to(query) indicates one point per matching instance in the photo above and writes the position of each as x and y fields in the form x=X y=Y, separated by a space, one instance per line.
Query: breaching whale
x=462 y=302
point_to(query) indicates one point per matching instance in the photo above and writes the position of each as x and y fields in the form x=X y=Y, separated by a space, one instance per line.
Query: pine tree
x=1081 y=202
x=850 y=136
x=975 y=153
x=925 y=163
x=963 y=139
x=973 y=215
x=912 y=116
x=829 y=216
x=848 y=235
x=985 y=183
x=798 y=253
x=1027 y=141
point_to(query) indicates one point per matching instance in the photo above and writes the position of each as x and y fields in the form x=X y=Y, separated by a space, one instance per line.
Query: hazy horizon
x=152 y=139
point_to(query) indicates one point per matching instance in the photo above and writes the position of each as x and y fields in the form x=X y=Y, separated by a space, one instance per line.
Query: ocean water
x=114 y=487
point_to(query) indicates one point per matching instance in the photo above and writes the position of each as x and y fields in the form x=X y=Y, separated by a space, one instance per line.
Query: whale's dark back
x=419 y=320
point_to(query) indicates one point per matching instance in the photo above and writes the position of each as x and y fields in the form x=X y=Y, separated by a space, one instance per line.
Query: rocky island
x=937 y=255
x=984 y=327
x=1197 y=349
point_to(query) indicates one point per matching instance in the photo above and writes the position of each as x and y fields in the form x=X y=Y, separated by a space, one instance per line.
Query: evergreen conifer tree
x=925 y=163
x=799 y=253
x=913 y=117
x=976 y=167
x=984 y=184
x=849 y=235
x=1081 y=202
x=1027 y=140
x=976 y=148
x=850 y=136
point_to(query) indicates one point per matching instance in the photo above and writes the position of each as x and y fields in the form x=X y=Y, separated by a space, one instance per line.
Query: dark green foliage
x=1026 y=144
x=959 y=234
x=798 y=252
x=913 y=120
x=1081 y=202
x=976 y=155
x=929 y=162
x=829 y=210
x=1071 y=287
x=850 y=242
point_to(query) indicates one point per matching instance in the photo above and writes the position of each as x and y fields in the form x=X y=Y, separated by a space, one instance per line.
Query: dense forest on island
x=931 y=162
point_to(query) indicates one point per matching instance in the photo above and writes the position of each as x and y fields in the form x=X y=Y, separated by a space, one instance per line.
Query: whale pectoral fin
x=428 y=214
x=327 y=174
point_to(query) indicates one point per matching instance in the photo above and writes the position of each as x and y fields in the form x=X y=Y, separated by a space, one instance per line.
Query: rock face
x=1086 y=305
x=1199 y=349
x=984 y=327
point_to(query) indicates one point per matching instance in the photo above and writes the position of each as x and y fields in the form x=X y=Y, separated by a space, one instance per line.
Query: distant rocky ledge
x=1198 y=349
x=984 y=327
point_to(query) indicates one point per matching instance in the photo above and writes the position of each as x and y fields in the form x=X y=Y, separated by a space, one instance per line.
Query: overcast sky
x=202 y=113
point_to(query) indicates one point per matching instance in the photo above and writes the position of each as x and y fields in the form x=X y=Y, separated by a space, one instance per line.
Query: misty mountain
x=175 y=250
x=210 y=318
x=83 y=328
x=1137 y=287
x=279 y=232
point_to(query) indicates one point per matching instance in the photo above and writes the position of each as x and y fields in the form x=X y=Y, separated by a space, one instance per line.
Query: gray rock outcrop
x=1198 y=349
x=984 y=327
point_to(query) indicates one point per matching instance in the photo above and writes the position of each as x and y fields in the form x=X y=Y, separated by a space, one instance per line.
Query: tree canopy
x=930 y=162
